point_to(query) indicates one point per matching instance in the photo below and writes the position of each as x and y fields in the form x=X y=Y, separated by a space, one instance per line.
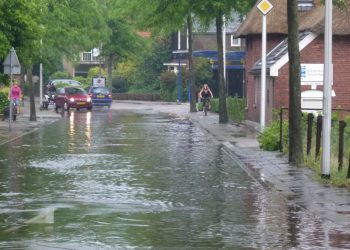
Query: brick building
x=311 y=44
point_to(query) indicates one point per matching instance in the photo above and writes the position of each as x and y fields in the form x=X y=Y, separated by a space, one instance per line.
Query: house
x=87 y=60
x=311 y=45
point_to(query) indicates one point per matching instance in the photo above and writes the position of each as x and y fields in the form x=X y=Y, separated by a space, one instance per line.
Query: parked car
x=100 y=96
x=72 y=97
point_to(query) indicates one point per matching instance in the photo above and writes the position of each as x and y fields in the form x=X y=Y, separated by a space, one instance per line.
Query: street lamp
x=327 y=92
x=178 y=55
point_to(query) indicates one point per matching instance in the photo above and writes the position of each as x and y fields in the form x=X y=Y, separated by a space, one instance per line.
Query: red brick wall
x=253 y=49
x=313 y=53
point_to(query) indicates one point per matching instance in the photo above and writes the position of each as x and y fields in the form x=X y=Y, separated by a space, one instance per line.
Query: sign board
x=180 y=54
x=264 y=6
x=99 y=81
x=11 y=64
x=311 y=73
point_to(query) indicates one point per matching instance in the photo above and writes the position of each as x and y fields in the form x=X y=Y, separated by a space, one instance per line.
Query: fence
x=309 y=135
x=137 y=97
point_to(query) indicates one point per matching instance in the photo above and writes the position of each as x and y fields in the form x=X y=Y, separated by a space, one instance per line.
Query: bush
x=167 y=86
x=3 y=100
x=236 y=108
x=84 y=81
x=269 y=139
x=60 y=75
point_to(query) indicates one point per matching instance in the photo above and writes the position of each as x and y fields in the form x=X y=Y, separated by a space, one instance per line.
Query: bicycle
x=206 y=104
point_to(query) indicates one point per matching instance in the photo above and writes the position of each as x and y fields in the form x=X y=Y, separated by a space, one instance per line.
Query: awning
x=213 y=54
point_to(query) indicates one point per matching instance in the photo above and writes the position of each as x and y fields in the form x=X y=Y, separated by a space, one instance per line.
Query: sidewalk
x=22 y=125
x=295 y=184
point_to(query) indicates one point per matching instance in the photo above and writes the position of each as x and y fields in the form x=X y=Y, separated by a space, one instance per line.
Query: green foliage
x=3 y=100
x=83 y=80
x=269 y=139
x=214 y=103
x=236 y=108
x=62 y=85
x=60 y=75
x=168 y=86
x=203 y=73
x=143 y=74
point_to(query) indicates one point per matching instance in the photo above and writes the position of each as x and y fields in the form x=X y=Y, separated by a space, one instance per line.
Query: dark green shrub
x=3 y=101
x=84 y=81
x=236 y=108
x=269 y=139
x=214 y=102
x=60 y=75
x=168 y=86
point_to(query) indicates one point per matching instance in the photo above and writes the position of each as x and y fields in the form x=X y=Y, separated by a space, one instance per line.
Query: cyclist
x=16 y=95
x=205 y=94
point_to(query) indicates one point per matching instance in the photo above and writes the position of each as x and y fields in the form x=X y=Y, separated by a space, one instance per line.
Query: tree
x=170 y=17
x=295 y=138
x=123 y=40
x=209 y=10
x=55 y=29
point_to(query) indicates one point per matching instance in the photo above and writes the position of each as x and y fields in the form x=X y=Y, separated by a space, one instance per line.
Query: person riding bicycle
x=205 y=94
x=15 y=95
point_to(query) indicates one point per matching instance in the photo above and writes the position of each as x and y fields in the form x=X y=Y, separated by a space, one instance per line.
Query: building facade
x=311 y=45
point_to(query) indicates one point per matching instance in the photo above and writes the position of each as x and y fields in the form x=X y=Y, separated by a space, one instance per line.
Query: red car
x=72 y=97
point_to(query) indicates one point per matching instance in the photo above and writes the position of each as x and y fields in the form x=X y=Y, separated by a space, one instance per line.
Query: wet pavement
x=280 y=206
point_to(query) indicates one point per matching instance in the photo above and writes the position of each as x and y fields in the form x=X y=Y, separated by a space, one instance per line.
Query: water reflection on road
x=122 y=180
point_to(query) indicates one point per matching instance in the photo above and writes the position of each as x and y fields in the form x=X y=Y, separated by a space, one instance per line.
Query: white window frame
x=235 y=42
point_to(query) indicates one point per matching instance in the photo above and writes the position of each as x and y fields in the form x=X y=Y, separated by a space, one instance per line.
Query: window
x=235 y=42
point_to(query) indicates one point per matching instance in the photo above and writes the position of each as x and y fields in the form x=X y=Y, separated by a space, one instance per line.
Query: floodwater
x=123 y=180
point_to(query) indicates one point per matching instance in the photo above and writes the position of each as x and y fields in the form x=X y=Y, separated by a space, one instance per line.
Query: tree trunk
x=190 y=66
x=110 y=71
x=223 y=118
x=295 y=140
x=32 y=116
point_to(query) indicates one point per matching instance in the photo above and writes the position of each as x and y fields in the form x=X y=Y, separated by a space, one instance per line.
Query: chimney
x=305 y=5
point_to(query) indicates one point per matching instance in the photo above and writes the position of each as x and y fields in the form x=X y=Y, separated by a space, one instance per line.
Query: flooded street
x=123 y=180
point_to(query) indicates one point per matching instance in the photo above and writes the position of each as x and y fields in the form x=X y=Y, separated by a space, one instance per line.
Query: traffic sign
x=11 y=64
x=264 y=6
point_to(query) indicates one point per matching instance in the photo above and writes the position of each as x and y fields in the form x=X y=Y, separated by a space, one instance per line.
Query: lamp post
x=327 y=92
x=179 y=54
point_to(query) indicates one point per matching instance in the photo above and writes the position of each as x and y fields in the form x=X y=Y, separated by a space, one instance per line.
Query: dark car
x=72 y=97
x=101 y=96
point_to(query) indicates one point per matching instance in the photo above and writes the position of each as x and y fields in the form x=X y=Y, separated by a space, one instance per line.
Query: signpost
x=264 y=6
x=11 y=67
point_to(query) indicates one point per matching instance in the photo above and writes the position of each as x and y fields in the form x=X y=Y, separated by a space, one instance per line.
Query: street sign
x=99 y=81
x=264 y=6
x=11 y=64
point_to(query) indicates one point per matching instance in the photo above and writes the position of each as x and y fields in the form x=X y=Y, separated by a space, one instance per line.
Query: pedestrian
x=15 y=95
